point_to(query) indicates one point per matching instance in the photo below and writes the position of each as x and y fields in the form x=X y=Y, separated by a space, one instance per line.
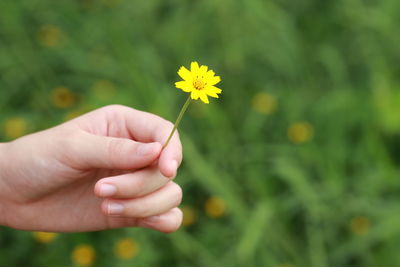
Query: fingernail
x=146 y=149
x=107 y=190
x=115 y=208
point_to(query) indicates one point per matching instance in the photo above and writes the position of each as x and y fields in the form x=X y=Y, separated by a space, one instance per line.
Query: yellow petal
x=195 y=94
x=203 y=71
x=204 y=98
x=209 y=74
x=212 y=94
x=213 y=89
x=214 y=80
x=184 y=85
x=185 y=74
x=194 y=68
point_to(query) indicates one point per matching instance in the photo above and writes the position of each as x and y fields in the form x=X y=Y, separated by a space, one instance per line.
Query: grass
x=328 y=196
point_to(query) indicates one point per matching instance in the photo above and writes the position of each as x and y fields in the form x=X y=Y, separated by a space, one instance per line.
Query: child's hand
x=88 y=174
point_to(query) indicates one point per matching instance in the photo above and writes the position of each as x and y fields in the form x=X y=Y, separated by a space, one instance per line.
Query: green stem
x=178 y=120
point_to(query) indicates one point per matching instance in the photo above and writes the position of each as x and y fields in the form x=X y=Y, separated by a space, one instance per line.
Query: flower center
x=199 y=84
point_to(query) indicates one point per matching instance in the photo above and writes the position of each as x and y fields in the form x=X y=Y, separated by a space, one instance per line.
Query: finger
x=147 y=127
x=164 y=199
x=131 y=185
x=167 y=222
x=93 y=151
x=171 y=157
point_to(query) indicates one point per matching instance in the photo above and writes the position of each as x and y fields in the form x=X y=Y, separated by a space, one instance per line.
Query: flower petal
x=213 y=89
x=209 y=74
x=214 y=80
x=204 y=98
x=185 y=74
x=194 y=68
x=185 y=86
x=212 y=94
x=195 y=94
x=203 y=71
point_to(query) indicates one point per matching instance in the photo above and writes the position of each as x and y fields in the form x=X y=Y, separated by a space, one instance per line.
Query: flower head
x=83 y=255
x=44 y=237
x=189 y=215
x=50 y=35
x=15 y=127
x=300 y=132
x=264 y=103
x=360 y=225
x=215 y=207
x=199 y=82
x=62 y=97
x=126 y=249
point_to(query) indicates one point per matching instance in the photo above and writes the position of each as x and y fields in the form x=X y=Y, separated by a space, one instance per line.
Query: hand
x=105 y=169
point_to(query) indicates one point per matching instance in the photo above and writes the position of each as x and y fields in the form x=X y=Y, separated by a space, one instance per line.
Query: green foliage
x=327 y=195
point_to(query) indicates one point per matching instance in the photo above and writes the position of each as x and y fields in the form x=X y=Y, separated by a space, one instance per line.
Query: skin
x=76 y=176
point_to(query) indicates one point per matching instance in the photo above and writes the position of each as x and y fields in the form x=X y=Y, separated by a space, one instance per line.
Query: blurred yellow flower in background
x=360 y=225
x=83 y=255
x=300 y=132
x=44 y=237
x=215 y=207
x=199 y=81
x=103 y=89
x=264 y=103
x=62 y=97
x=15 y=127
x=126 y=249
x=49 y=35
x=189 y=215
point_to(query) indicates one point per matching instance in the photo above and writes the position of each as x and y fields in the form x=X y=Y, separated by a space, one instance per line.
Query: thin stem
x=178 y=120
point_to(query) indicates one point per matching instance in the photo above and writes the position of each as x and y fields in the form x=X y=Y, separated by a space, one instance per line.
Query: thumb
x=93 y=151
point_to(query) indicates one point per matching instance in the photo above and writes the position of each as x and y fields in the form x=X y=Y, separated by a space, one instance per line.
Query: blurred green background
x=297 y=164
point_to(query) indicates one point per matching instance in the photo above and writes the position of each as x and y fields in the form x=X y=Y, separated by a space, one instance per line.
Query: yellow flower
x=189 y=216
x=215 y=207
x=83 y=255
x=126 y=249
x=199 y=81
x=49 y=35
x=44 y=237
x=103 y=90
x=360 y=225
x=15 y=127
x=264 y=103
x=62 y=97
x=300 y=132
